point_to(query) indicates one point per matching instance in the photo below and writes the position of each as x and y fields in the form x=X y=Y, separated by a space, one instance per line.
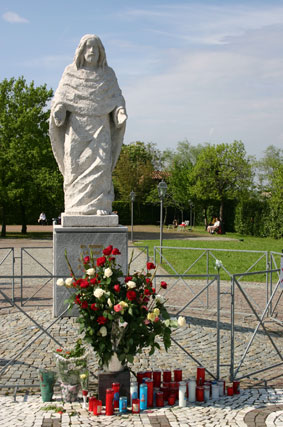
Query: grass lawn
x=231 y=252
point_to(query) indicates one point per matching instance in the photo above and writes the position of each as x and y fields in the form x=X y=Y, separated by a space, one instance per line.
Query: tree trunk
x=3 y=230
x=205 y=218
x=221 y=210
x=24 y=224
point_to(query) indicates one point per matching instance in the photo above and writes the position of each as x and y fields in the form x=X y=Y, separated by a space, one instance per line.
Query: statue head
x=79 y=58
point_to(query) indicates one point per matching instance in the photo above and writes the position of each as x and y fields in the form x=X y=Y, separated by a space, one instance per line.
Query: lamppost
x=162 y=188
x=132 y=196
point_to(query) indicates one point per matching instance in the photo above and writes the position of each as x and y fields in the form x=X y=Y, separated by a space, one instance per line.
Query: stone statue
x=87 y=126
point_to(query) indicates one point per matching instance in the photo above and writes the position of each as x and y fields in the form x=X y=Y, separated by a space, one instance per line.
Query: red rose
x=100 y=261
x=150 y=266
x=59 y=350
x=93 y=307
x=86 y=259
x=131 y=295
x=145 y=300
x=116 y=288
x=84 y=304
x=163 y=285
x=147 y=291
x=84 y=283
x=116 y=251
x=153 y=290
x=148 y=281
x=108 y=250
x=77 y=299
x=101 y=320
x=128 y=278
x=93 y=281
x=111 y=258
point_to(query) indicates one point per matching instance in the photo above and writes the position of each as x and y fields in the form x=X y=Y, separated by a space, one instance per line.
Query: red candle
x=178 y=375
x=97 y=407
x=165 y=388
x=85 y=392
x=199 y=394
x=116 y=388
x=159 y=399
x=200 y=375
x=230 y=391
x=156 y=378
x=109 y=401
x=167 y=376
x=149 y=383
x=236 y=387
x=140 y=376
x=136 y=406
x=147 y=374
x=172 y=399
x=91 y=402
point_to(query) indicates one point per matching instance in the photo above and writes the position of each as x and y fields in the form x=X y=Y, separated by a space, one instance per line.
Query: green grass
x=44 y=235
x=235 y=262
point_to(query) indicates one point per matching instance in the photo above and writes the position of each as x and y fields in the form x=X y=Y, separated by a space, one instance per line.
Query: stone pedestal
x=106 y=379
x=76 y=240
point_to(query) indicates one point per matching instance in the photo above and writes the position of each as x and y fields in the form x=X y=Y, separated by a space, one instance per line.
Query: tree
x=28 y=170
x=134 y=170
x=222 y=172
x=267 y=167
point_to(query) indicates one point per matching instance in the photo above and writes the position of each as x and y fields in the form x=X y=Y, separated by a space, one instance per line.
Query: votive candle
x=116 y=389
x=178 y=375
x=159 y=399
x=97 y=407
x=143 y=397
x=149 y=383
x=109 y=401
x=182 y=394
x=192 y=390
x=136 y=406
x=156 y=378
x=200 y=375
x=167 y=376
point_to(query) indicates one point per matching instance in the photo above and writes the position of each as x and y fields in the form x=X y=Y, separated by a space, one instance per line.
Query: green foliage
x=252 y=217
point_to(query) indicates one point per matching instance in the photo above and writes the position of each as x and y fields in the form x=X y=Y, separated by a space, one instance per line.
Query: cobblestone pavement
x=253 y=407
x=261 y=407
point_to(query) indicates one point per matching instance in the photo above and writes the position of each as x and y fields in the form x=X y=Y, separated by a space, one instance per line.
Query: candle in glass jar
x=199 y=393
x=143 y=397
x=221 y=384
x=156 y=378
x=200 y=375
x=123 y=404
x=167 y=376
x=134 y=391
x=147 y=374
x=116 y=389
x=182 y=394
x=149 y=383
x=109 y=401
x=91 y=402
x=230 y=391
x=140 y=376
x=171 y=399
x=178 y=375
x=206 y=389
x=97 y=407
x=214 y=390
x=159 y=399
x=192 y=390
x=236 y=387
x=136 y=406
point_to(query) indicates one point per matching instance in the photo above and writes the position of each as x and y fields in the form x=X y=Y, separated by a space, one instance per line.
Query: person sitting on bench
x=213 y=228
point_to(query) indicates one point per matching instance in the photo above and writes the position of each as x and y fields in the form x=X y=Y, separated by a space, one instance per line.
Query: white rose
x=218 y=263
x=98 y=293
x=107 y=272
x=90 y=272
x=60 y=282
x=109 y=302
x=131 y=284
x=182 y=321
x=69 y=281
x=160 y=299
x=103 y=331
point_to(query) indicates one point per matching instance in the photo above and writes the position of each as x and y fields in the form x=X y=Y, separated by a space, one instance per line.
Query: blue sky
x=205 y=71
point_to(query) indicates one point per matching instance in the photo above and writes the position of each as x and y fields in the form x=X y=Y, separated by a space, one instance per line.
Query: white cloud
x=14 y=18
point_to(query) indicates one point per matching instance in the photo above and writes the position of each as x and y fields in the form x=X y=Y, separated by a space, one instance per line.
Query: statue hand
x=121 y=117
x=59 y=115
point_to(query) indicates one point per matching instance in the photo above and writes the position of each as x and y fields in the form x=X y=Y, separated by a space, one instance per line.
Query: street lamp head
x=162 y=188
x=132 y=196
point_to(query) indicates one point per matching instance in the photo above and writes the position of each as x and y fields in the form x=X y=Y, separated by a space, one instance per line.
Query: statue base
x=106 y=379
x=89 y=220
x=81 y=240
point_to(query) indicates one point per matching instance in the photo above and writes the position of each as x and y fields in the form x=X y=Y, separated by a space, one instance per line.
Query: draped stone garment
x=88 y=144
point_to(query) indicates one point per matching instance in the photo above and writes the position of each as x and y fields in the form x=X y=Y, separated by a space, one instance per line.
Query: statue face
x=91 y=53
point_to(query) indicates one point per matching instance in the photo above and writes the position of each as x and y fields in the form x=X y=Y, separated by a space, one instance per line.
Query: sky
x=203 y=71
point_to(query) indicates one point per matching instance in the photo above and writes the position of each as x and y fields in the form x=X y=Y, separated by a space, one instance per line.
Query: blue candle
x=143 y=397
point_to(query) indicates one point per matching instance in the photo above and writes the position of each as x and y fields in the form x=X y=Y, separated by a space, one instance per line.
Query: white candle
x=182 y=394
x=221 y=387
x=133 y=391
x=206 y=388
x=215 y=391
x=192 y=390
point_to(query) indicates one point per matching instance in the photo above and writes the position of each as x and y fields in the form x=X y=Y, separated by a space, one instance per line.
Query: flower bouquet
x=119 y=316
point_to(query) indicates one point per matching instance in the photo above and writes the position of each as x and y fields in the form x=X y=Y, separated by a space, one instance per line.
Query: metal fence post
x=232 y=327
x=218 y=327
